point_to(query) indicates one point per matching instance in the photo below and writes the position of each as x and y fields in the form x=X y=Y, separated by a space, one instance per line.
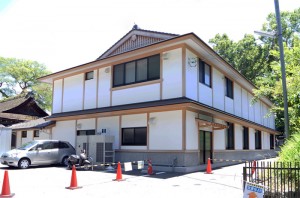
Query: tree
x=18 y=76
x=258 y=60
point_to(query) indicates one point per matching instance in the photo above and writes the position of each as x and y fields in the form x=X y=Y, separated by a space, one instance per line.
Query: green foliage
x=290 y=152
x=18 y=76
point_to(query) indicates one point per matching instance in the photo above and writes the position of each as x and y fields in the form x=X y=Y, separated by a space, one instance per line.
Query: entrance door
x=205 y=146
x=13 y=140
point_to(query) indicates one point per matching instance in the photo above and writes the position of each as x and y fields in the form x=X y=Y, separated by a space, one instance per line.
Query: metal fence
x=280 y=180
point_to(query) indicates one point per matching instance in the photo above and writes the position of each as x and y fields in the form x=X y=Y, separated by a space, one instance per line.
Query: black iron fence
x=280 y=180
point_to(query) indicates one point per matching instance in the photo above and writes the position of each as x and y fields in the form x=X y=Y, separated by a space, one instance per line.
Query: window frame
x=88 y=77
x=24 y=134
x=245 y=139
x=36 y=133
x=229 y=93
x=87 y=132
x=230 y=136
x=122 y=67
x=133 y=144
x=258 y=143
x=202 y=69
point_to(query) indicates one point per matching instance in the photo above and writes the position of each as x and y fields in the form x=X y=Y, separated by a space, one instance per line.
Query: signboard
x=128 y=166
x=253 y=191
x=140 y=164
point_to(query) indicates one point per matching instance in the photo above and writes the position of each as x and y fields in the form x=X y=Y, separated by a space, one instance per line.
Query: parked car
x=39 y=152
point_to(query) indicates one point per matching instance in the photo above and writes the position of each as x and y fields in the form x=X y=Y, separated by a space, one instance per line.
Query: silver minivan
x=39 y=152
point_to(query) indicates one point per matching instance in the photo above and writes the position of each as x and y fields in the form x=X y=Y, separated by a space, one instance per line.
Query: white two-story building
x=165 y=97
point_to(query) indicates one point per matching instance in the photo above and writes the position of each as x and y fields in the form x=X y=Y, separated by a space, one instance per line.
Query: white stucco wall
x=73 y=93
x=251 y=108
x=238 y=137
x=219 y=137
x=172 y=74
x=166 y=132
x=5 y=139
x=218 y=90
x=229 y=106
x=65 y=130
x=57 y=96
x=251 y=139
x=237 y=100
x=90 y=92
x=191 y=131
x=245 y=104
x=112 y=126
x=191 y=72
x=257 y=113
x=104 y=86
x=136 y=94
x=265 y=140
x=205 y=94
x=86 y=124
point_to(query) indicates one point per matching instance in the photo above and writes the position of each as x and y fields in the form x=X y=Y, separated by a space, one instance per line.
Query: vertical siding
x=237 y=100
x=218 y=90
x=172 y=74
x=251 y=108
x=251 y=139
x=245 y=104
x=73 y=93
x=104 y=84
x=258 y=118
x=90 y=91
x=191 y=76
x=57 y=96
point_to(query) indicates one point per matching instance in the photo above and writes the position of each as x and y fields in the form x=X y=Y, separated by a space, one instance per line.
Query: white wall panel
x=112 y=126
x=258 y=118
x=238 y=137
x=229 y=106
x=166 y=132
x=28 y=138
x=237 y=100
x=245 y=104
x=104 y=83
x=219 y=137
x=251 y=139
x=251 y=109
x=65 y=130
x=136 y=94
x=44 y=135
x=172 y=74
x=205 y=94
x=265 y=140
x=5 y=139
x=86 y=124
x=218 y=90
x=73 y=93
x=191 y=131
x=191 y=76
x=57 y=96
x=90 y=92
x=136 y=120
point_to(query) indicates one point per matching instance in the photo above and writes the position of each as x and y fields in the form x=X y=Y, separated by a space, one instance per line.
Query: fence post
x=244 y=176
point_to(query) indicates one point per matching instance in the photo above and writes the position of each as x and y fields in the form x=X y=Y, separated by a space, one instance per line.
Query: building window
x=36 y=133
x=272 y=141
x=257 y=139
x=229 y=88
x=24 y=134
x=204 y=73
x=230 y=137
x=85 y=132
x=137 y=71
x=245 y=138
x=89 y=75
x=134 y=136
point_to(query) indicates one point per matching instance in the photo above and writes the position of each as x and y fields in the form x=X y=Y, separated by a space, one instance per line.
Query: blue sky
x=67 y=33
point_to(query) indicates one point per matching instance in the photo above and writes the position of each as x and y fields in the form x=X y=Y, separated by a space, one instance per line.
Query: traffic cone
x=208 y=167
x=5 y=187
x=253 y=167
x=150 y=169
x=119 y=173
x=73 y=184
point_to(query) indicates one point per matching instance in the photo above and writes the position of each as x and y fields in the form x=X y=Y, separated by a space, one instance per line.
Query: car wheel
x=24 y=163
x=64 y=161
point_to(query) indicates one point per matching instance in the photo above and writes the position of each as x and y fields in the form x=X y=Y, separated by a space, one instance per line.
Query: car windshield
x=27 y=145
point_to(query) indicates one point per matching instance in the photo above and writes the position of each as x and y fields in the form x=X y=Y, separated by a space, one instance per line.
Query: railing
x=280 y=180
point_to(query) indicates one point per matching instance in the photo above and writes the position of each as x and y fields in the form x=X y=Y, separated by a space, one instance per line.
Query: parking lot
x=51 y=181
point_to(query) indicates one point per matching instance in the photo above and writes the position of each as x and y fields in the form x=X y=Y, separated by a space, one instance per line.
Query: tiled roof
x=12 y=103
x=33 y=124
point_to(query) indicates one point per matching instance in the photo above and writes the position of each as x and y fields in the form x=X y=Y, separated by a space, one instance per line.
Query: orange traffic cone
x=208 y=167
x=5 y=187
x=73 y=184
x=150 y=169
x=119 y=173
